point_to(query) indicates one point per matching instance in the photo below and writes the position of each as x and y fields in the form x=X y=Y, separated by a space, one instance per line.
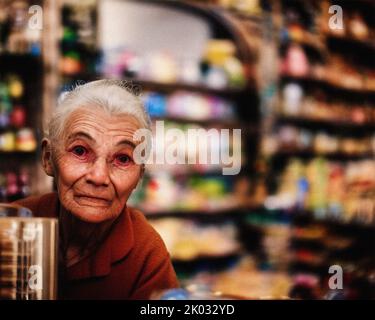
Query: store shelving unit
x=28 y=69
x=171 y=87
x=333 y=124
x=244 y=98
x=327 y=85
x=313 y=255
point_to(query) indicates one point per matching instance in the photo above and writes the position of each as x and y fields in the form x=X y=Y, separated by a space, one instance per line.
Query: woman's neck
x=80 y=238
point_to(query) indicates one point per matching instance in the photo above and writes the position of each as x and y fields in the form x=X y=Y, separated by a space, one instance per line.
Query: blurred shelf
x=366 y=2
x=309 y=41
x=306 y=216
x=308 y=154
x=229 y=123
x=313 y=244
x=14 y=57
x=202 y=213
x=257 y=19
x=21 y=63
x=209 y=258
x=169 y=87
x=81 y=76
x=326 y=84
x=18 y=153
x=323 y=124
x=352 y=41
x=140 y=85
x=299 y=265
x=186 y=172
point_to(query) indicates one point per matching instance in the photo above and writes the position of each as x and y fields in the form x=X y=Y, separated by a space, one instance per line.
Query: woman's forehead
x=97 y=124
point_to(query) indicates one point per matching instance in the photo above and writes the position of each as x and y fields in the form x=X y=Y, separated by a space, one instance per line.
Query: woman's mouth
x=91 y=200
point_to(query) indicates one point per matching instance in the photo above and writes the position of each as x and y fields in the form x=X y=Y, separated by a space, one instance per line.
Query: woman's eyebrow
x=126 y=142
x=80 y=134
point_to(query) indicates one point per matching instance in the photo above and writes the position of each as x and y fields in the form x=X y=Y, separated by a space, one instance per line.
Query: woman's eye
x=79 y=151
x=123 y=159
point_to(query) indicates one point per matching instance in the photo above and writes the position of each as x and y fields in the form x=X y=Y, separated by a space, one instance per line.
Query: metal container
x=28 y=255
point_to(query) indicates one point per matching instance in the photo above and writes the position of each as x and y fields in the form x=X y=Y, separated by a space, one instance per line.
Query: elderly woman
x=107 y=249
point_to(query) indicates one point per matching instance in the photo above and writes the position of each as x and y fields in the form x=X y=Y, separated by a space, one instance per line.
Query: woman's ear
x=47 y=157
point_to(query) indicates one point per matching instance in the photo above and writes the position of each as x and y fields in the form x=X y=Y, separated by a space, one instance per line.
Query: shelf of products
x=20 y=101
x=189 y=193
x=295 y=244
x=306 y=143
x=311 y=121
x=343 y=191
x=340 y=76
x=168 y=87
x=219 y=70
x=14 y=135
x=79 y=57
x=333 y=123
x=19 y=35
x=318 y=153
x=358 y=22
x=14 y=185
x=323 y=84
x=189 y=106
x=244 y=280
x=188 y=240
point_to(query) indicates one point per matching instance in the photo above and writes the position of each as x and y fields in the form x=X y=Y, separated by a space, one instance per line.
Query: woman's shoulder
x=139 y=221
x=41 y=206
x=143 y=231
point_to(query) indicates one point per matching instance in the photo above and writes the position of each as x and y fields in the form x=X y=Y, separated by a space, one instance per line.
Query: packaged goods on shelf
x=12 y=111
x=245 y=281
x=188 y=240
x=295 y=103
x=273 y=249
x=21 y=25
x=188 y=106
x=219 y=68
x=14 y=135
x=14 y=185
x=330 y=189
x=22 y=140
x=188 y=193
x=293 y=139
x=79 y=58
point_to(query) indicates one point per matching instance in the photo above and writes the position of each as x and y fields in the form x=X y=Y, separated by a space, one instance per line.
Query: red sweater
x=131 y=263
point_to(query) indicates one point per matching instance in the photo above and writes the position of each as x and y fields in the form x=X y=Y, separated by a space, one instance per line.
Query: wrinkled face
x=93 y=166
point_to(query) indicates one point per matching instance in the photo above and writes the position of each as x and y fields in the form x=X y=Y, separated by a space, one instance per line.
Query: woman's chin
x=92 y=214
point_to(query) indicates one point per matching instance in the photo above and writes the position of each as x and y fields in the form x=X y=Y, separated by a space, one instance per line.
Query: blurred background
x=297 y=81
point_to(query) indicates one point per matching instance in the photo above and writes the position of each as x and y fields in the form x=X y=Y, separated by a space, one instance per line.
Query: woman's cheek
x=70 y=169
x=126 y=181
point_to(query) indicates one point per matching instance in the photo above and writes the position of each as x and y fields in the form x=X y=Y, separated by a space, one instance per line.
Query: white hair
x=116 y=97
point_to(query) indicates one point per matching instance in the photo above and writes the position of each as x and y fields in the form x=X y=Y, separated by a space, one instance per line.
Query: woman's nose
x=99 y=173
